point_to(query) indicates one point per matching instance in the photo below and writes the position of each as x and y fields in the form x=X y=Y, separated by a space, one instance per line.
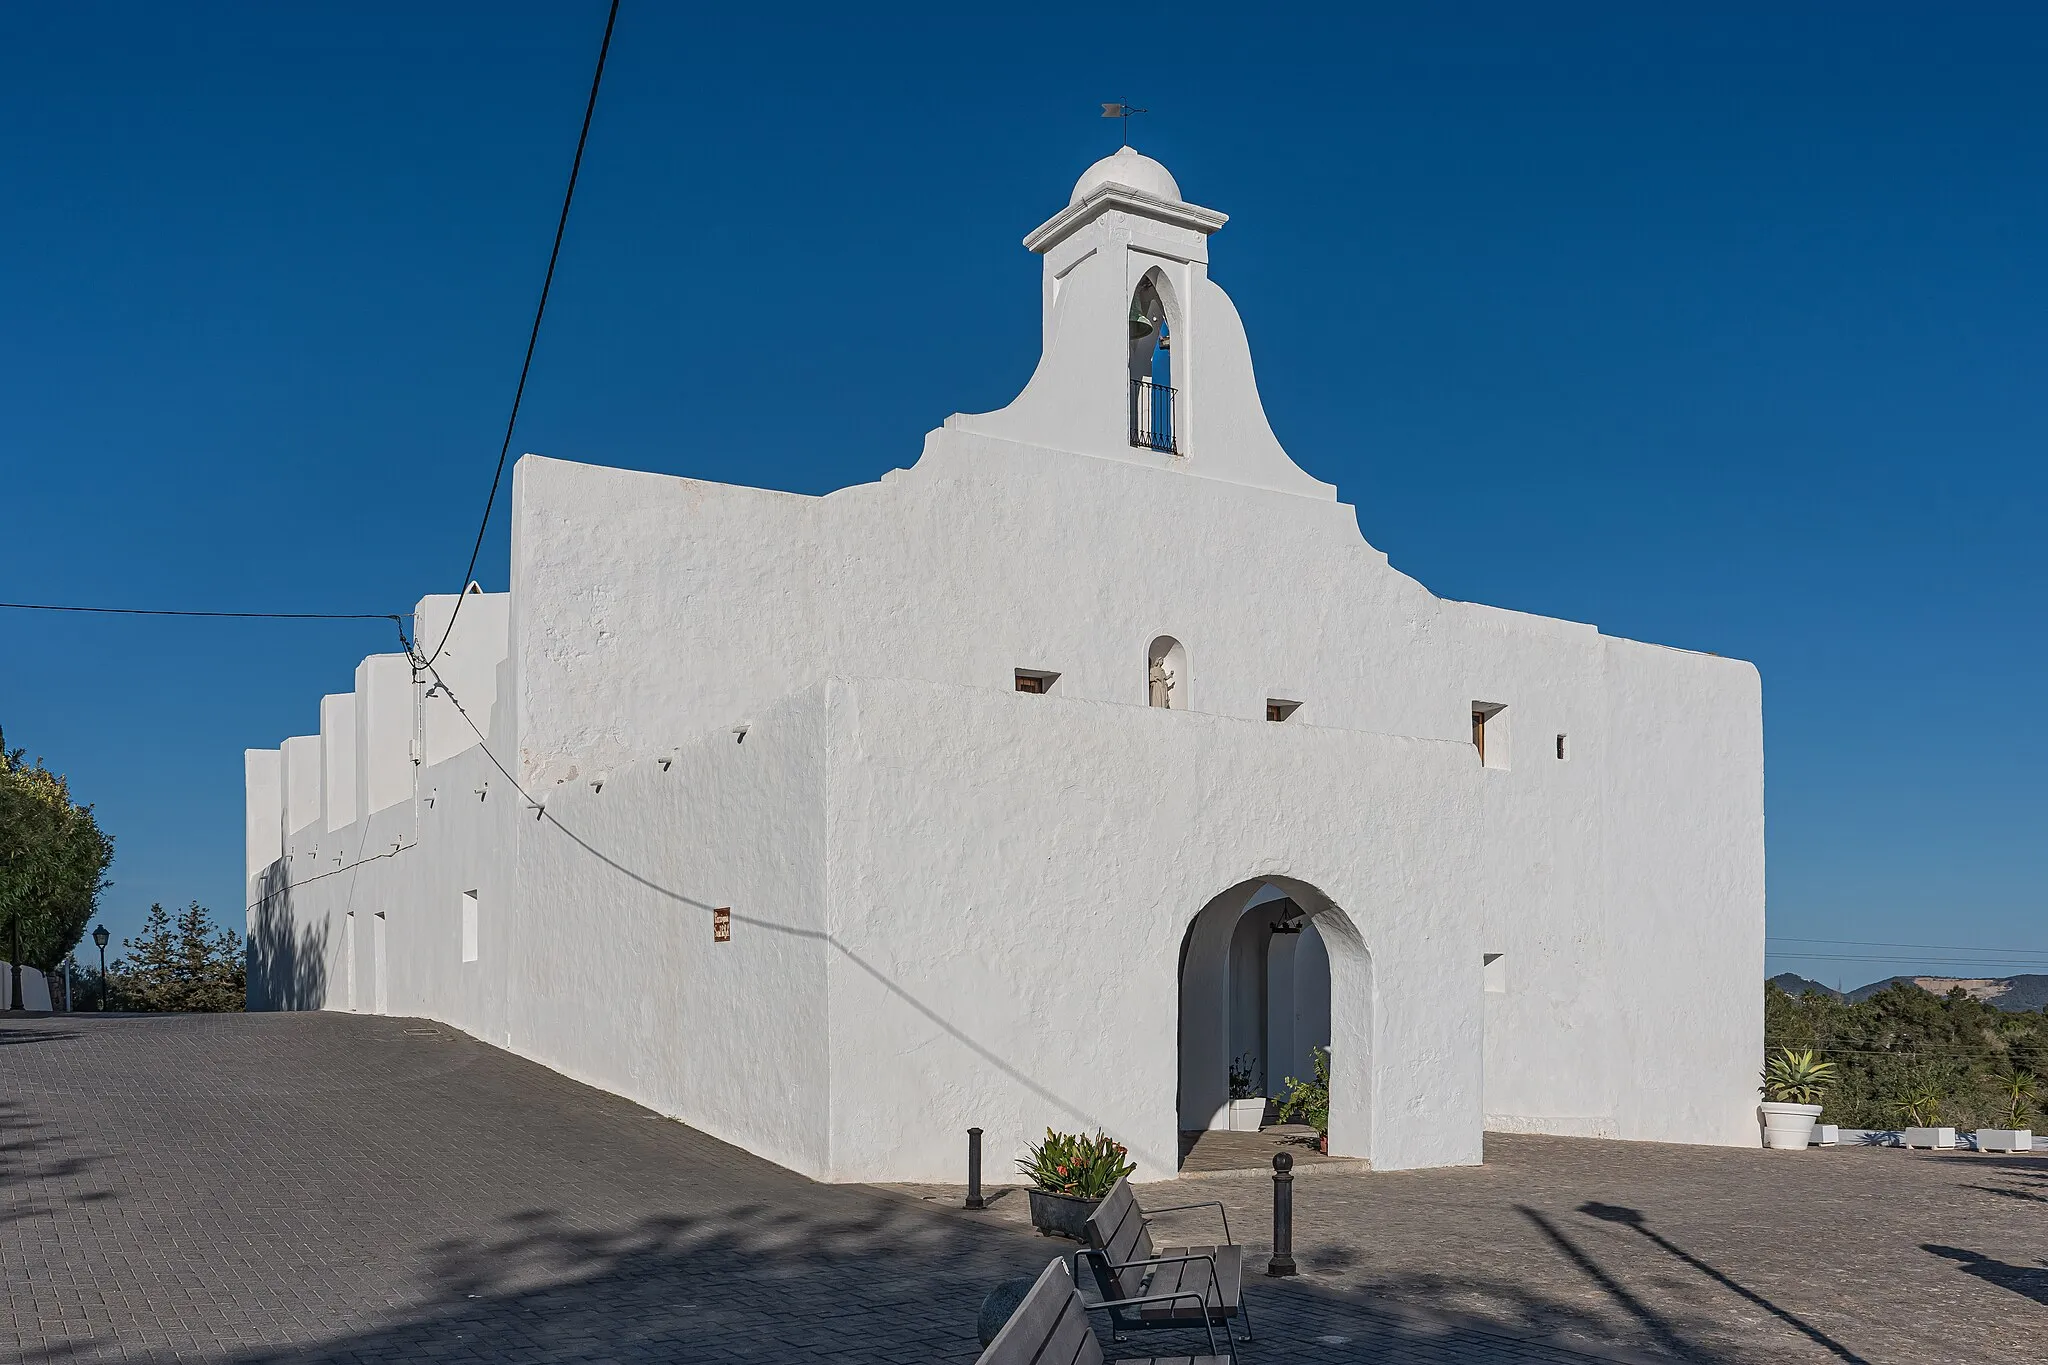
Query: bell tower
x=1143 y=358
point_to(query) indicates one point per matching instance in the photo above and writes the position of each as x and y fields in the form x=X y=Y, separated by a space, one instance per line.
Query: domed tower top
x=1131 y=169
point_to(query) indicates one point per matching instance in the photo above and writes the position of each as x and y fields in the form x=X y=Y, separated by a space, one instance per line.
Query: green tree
x=179 y=963
x=53 y=864
x=1905 y=1048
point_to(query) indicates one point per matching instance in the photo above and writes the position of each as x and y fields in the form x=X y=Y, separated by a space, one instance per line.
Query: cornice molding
x=1074 y=217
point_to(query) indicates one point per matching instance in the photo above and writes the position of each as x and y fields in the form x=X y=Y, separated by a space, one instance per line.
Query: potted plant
x=1793 y=1085
x=1920 y=1106
x=1309 y=1101
x=2016 y=1091
x=1247 y=1108
x=1070 y=1174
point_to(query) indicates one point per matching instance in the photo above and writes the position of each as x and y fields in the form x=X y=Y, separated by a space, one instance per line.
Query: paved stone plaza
x=334 y=1188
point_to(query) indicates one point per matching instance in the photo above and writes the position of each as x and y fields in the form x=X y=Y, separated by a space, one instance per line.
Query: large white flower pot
x=1245 y=1115
x=2005 y=1139
x=1788 y=1127
x=1941 y=1139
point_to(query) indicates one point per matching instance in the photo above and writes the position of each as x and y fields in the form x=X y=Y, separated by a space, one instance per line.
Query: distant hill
x=2009 y=993
x=1792 y=983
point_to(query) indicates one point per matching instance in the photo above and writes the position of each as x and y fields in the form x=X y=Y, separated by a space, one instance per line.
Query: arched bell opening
x=1151 y=364
x=1270 y=971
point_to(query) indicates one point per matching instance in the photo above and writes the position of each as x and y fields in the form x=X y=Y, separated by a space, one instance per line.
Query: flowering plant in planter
x=1241 y=1072
x=1076 y=1165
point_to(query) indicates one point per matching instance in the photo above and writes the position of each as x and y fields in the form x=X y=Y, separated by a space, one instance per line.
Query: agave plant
x=2016 y=1091
x=1796 y=1077
x=1076 y=1164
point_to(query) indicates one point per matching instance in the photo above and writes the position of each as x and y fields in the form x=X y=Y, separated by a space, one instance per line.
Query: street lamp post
x=100 y=937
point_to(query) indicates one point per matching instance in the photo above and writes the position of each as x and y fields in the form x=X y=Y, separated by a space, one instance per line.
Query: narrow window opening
x=1560 y=746
x=1036 y=681
x=1278 y=709
x=1490 y=733
x=1494 y=967
x=469 y=926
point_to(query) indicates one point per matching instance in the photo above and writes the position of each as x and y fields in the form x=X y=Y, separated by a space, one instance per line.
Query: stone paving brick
x=320 y=1189
x=1704 y=1253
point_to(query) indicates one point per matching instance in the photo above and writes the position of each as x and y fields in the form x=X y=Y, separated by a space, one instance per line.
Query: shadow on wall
x=287 y=961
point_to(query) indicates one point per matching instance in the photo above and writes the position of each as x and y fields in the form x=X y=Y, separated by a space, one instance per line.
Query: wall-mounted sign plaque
x=721 y=924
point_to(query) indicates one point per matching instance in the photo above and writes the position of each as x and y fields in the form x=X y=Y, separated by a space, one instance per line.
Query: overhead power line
x=393 y=617
x=1924 y=947
x=533 y=337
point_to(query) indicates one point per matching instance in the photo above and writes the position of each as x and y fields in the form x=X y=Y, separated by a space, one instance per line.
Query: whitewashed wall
x=956 y=905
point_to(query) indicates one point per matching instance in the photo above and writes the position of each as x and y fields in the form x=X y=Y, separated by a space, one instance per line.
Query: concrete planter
x=1940 y=1139
x=1788 y=1127
x=1061 y=1215
x=1246 y=1115
x=2005 y=1139
x=1826 y=1135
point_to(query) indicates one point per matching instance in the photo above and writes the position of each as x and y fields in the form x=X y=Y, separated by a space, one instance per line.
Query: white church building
x=1036 y=785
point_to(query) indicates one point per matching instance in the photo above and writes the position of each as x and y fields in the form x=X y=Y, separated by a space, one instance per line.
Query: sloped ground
x=329 y=1188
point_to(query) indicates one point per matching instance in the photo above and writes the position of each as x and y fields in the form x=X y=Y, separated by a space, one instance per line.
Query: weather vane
x=1124 y=112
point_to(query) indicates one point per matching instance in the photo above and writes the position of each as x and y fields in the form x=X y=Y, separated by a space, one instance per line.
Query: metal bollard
x=974 y=1199
x=1282 y=1262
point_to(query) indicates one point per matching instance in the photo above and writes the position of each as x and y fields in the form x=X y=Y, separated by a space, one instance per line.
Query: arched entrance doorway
x=1270 y=970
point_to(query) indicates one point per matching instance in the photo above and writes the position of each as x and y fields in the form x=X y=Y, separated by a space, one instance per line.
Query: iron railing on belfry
x=1152 y=416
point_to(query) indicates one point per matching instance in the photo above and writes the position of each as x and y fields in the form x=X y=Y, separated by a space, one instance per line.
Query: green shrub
x=1309 y=1101
x=2016 y=1092
x=1076 y=1164
x=1920 y=1105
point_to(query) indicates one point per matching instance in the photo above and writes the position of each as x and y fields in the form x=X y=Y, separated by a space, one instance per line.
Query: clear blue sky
x=1725 y=330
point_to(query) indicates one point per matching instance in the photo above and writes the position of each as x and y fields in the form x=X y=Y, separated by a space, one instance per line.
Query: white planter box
x=1245 y=1115
x=2005 y=1139
x=1941 y=1139
x=1826 y=1134
x=1788 y=1127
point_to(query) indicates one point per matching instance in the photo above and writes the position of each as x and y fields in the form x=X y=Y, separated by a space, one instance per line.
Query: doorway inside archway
x=1255 y=1004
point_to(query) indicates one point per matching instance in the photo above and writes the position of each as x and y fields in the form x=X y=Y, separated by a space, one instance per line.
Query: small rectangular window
x=1494 y=967
x=1560 y=746
x=469 y=926
x=1280 y=709
x=1035 y=680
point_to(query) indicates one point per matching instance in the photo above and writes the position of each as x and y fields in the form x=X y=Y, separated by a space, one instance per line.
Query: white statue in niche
x=1162 y=683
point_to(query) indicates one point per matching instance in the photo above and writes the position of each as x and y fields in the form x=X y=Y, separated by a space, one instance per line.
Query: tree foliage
x=53 y=862
x=179 y=962
x=1905 y=1052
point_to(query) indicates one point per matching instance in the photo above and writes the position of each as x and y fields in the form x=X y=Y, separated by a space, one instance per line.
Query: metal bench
x=1050 y=1327
x=1145 y=1287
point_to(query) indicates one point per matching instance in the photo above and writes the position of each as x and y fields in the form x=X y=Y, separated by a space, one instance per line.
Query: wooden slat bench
x=1129 y=1267
x=1050 y=1327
